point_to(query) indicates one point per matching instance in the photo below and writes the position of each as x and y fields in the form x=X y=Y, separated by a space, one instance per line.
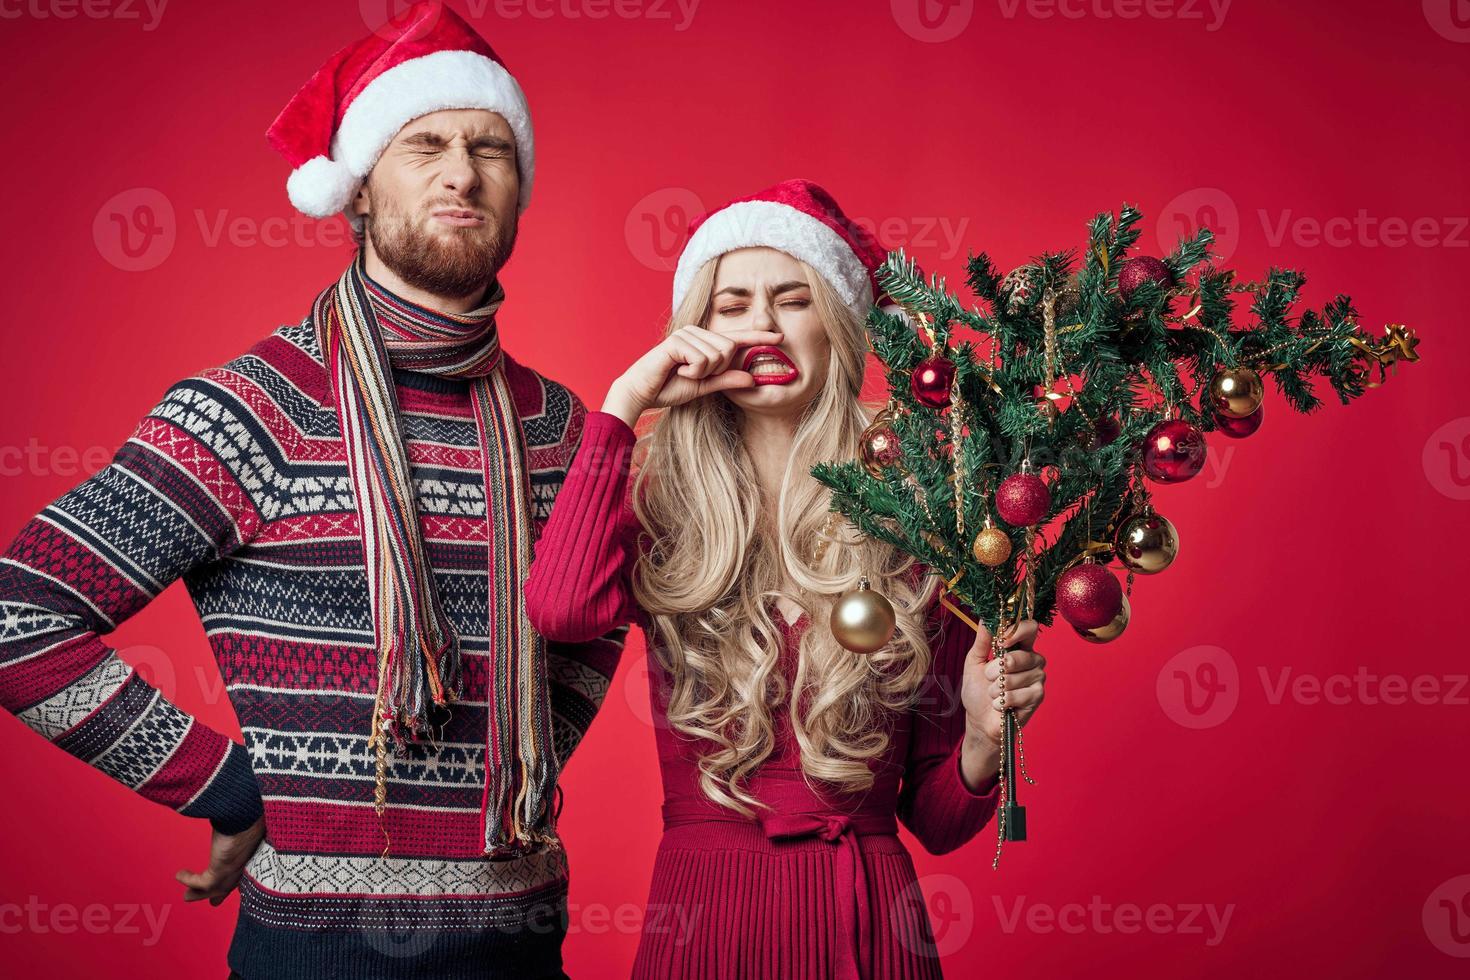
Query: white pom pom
x=893 y=309
x=321 y=187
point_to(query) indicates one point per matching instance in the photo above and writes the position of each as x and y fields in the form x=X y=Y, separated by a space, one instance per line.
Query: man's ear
x=362 y=201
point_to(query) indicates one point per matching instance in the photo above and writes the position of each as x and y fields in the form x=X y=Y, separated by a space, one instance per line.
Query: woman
x=787 y=760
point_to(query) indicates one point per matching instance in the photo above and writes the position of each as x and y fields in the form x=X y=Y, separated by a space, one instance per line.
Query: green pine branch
x=1131 y=360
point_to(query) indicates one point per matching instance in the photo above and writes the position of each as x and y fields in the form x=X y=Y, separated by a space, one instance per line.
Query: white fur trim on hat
x=441 y=80
x=747 y=224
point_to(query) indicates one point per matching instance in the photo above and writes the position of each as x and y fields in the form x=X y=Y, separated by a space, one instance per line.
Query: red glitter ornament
x=1139 y=270
x=1173 y=451
x=1022 y=499
x=1088 y=596
x=931 y=380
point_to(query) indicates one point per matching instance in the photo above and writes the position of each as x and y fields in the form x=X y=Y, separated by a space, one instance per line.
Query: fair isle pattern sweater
x=237 y=483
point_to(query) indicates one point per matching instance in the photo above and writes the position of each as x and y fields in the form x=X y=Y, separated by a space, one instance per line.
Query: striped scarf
x=365 y=332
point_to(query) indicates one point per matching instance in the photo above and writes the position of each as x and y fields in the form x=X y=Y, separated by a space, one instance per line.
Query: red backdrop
x=1264 y=776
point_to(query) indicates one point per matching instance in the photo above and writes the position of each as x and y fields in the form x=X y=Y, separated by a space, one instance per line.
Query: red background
x=1322 y=546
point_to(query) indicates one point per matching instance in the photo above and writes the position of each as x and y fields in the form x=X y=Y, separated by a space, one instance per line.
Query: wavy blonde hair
x=719 y=553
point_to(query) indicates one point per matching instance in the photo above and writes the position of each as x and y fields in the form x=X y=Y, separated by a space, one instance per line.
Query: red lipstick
x=770 y=366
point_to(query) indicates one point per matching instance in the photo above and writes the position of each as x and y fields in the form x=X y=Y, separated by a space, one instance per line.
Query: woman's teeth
x=769 y=368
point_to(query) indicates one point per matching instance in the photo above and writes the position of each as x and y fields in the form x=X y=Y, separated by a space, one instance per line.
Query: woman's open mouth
x=770 y=366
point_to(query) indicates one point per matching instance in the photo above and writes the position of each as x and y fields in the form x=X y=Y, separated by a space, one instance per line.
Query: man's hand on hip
x=227 y=856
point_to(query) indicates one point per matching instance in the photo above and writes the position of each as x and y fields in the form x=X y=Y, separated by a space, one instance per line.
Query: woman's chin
x=791 y=394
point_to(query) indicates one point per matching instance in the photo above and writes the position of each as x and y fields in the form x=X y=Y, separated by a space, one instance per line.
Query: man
x=351 y=504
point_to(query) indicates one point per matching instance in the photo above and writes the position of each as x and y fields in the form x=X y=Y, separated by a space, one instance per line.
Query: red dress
x=819 y=885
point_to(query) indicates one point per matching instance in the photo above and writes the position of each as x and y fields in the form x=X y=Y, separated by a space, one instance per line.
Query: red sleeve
x=578 y=586
x=935 y=803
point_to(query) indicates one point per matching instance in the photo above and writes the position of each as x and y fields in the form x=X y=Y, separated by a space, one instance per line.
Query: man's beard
x=455 y=265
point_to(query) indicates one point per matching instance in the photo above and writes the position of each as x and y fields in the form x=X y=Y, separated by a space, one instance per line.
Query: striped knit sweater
x=237 y=483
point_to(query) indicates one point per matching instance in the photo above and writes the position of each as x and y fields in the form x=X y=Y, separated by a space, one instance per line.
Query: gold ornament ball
x=992 y=547
x=863 y=620
x=1236 y=392
x=1147 y=543
x=880 y=448
x=1110 y=632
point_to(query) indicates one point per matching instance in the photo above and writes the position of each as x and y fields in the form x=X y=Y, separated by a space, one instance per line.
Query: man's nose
x=459 y=173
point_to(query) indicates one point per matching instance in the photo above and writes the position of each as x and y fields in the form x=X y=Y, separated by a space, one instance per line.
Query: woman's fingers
x=741 y=338
x=723 y=348
x=1026 y=697
x=726 y=380
x=1016 y=661
x=692 y=359
x=1022 y=636
x=1015 y=682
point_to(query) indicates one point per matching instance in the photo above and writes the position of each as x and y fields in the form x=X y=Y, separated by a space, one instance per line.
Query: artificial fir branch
x=1134 y=360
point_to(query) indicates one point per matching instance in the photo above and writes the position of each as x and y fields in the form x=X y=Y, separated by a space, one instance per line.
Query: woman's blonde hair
x=719 y=553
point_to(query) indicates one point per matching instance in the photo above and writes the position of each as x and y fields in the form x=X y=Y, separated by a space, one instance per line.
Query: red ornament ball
x=1241 y=427
x=1173 y=451
x=1022 y=499
x=931 y=380
x=1016 y=287
x=1101 y=433
x=1089 y=596
x=1141 y=269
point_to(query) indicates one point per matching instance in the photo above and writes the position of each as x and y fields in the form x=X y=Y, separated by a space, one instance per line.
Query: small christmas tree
x=1017 y=462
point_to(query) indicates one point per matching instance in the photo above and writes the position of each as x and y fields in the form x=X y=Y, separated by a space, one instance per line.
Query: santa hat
x=334 y=129
x=799 y=218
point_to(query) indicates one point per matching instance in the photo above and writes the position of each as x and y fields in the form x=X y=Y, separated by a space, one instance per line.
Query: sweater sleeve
x=578 y=586
x=935 y=803
x=167 y=503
